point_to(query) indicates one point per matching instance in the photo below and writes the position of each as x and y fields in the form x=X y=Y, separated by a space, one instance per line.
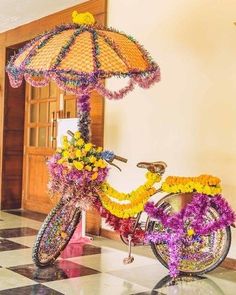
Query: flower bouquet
x=76 y=169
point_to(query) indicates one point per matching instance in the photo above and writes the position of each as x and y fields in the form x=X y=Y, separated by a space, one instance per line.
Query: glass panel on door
x=34 y=93
x=70 y=108
x=42 y=137
x=33 y=112
x=52 y=90
x=52 y=110
x=33 y=137
x=44 y=92
x=43 y=118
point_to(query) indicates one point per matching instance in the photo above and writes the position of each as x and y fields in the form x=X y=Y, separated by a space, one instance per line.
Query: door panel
x=39 y=144
x=37 y=198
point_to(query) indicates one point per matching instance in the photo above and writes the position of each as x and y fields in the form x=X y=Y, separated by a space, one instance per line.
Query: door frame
x=27 y=32
x=13 y=130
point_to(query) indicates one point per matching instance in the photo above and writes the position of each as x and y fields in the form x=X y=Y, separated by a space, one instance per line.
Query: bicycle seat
x=154 y=167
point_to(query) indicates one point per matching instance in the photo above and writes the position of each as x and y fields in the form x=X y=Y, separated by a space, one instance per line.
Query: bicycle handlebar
x=118 y=158
x=70 y=133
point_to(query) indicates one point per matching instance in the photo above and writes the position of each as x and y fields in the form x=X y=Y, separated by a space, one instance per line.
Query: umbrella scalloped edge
x=41 y=81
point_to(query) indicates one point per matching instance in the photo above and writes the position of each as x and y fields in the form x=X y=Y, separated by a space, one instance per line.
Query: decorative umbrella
x=78 y=57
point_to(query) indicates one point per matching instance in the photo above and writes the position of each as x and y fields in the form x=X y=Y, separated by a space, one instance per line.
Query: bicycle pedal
x=128 y=260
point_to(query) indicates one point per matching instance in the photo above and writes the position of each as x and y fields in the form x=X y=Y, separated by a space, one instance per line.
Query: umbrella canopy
x=78 y=57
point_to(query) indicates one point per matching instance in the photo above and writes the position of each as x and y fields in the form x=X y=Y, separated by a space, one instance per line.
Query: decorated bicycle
x=189 y=228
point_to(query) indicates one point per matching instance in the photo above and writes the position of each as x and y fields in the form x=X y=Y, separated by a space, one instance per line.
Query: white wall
x=14 y=13
x=189 y=118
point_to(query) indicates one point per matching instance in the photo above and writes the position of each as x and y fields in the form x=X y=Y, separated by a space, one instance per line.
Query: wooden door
x=39 y=143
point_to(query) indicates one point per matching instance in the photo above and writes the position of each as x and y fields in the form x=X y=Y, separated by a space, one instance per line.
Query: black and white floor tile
x=88 y=269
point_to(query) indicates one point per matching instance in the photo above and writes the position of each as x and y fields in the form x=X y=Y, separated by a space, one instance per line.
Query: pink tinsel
x=146 y=82
x=114 y=94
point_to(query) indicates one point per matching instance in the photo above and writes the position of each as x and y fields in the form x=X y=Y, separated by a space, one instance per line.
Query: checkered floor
x=86 y=269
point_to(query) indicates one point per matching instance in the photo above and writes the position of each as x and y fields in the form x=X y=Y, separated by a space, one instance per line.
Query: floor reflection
x=185 y=285
x=60 y=270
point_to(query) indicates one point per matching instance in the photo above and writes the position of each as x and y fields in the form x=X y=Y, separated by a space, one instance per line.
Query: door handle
x=53 y=128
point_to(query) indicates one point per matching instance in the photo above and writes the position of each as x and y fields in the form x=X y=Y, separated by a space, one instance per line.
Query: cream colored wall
x=189 y=118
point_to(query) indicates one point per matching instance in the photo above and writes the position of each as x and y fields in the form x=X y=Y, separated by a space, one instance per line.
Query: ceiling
x=14 y=13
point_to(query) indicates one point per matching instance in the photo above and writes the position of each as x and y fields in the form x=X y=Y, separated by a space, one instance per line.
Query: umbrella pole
x=83 y=114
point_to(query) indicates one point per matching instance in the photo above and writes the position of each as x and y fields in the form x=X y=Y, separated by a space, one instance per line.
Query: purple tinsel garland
x=83 y=114
x=193 y=215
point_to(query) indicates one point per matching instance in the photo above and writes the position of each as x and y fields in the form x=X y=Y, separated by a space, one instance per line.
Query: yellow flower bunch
x=85 y=18
x=126 y=210
x=204 y=184
x=152 y=178
x=75 y=153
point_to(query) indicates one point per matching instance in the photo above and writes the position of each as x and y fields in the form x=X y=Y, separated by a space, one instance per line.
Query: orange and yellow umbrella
x=79 y=56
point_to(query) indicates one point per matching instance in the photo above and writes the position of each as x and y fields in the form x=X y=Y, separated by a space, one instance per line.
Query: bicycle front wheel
x=205 y=252
x=55 y=232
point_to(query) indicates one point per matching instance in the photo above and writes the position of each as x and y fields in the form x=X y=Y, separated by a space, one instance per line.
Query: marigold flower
x=60 y=161
x=100 y=164
x=103 y=164
x=92 y=159
x=94 y=176
x=99 y=149
x=65 y=145
x=79 y=142
x=84 y=152
x=64 y=139
x=85 y=18
x=190 y=232
x=78 y=153
x=78 y=165
x=88 y=147
x=88 y=168
x=206 y=184
x=77 y=135
x=65 y=154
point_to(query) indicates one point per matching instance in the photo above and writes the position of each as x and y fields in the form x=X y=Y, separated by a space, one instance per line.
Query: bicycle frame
x=137 y=219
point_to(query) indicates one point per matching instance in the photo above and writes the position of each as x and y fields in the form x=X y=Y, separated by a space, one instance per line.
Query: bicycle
x=78 y=172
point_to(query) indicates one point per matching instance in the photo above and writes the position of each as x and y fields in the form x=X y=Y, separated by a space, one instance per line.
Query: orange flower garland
x=205 y=184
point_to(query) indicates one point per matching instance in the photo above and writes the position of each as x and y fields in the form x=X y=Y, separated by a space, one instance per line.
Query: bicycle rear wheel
x=205 y=252
x=55 y=232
